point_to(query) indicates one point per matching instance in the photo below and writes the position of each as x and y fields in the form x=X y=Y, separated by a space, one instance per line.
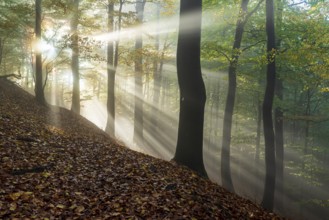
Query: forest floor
x=57 y=165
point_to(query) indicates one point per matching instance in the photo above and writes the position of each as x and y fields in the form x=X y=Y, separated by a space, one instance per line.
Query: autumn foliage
x=57 y=165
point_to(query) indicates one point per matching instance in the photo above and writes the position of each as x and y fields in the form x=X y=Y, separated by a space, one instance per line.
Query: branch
x=250 y=46
x=298 y=3
x=225 y=55
x=310 y=118
x=253 y=11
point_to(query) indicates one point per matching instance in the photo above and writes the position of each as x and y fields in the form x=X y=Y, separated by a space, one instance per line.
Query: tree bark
x=278 y=120
x=230 y=99
x=189 y=149
x=75 y=57
x=39 y=93
x=138 y=112
x=268 y=197
x=111 y=70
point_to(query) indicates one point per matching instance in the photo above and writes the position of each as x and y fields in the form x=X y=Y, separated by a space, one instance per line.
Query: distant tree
x=75 y=56
x=39 y=93
x=162 y=8
x=189 y=149
x=110 y=125
x=112 y=64
x=138 y=113
x=230 y=99
x=2 y=43
x=156 y=73
x=268 y=197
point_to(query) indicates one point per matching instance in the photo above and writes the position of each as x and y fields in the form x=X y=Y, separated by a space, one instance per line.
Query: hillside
x=55 y=164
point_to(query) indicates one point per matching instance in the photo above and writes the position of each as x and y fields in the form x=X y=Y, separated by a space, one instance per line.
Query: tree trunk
x=279 y=145
x=39 y=93
x=278 y=120
x=2 y=43
x=189 y=149
x=111 y=70
x=259 y=127
x=156 y=76
x=75 y=57
x=269 y=188
x=258 y=138
x=230 y=99
x=307 y=126
x=138 y=113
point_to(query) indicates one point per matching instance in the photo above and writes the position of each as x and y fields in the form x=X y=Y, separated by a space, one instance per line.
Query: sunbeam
x=303 y=27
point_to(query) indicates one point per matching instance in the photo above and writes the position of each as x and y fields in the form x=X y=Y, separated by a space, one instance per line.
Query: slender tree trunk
x=39 y=93
x=117 y=42
x=138 y=113
x=189 y=150
x=259 y=128
x=278 y=120
x=2 y=43
x=229 y=107
x=293 y=129
x=307 y=126
x=27 y=76
x=268 y=197
x=258 y=138
x=111 y=70
x=75 y=57
x=156 y=76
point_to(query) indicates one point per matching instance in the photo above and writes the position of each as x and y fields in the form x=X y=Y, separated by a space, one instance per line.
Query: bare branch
x=225 y=55
x=252 y=45
x=298 y=3
x=253 y=11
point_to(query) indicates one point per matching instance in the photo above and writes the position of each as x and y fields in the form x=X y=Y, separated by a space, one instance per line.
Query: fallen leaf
x=16 y=195
x=60 y=206
x=12 y=206
x=80 y=209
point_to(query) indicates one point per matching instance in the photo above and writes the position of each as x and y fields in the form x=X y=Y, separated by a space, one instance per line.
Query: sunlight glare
x=46 y=49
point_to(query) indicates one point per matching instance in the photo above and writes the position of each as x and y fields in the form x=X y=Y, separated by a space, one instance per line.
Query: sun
x=47 y=50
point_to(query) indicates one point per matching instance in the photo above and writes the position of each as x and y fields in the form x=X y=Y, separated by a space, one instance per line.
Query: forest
x=237 y=91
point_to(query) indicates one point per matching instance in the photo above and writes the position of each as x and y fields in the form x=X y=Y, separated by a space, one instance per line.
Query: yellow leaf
x=16 y=195
x=26 y=195
x=73 y=206
x=5 y=159
x=13 y=206
x=39 y=187
x=60 y=206
x=46 y=174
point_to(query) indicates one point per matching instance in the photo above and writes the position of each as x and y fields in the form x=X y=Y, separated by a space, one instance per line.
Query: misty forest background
x=89 y=46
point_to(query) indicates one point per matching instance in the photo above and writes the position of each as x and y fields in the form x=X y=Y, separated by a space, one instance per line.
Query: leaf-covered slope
x=54 y=164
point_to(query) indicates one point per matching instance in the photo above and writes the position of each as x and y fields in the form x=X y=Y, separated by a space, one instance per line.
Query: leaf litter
x=57 y=165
